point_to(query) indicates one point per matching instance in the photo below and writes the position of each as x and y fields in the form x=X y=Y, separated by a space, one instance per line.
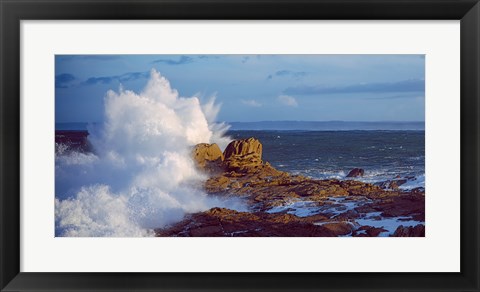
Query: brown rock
x=208 y=157
x=417 y=231
x=348 y=215
x=225 y=222
x=241 y=155
x=243 y=147
x=356 y=172
x=339 y=228
x=217 y=184
x=391 y=184
x=402 y=204
x=243 y=173
x=370 y=231
x=375 y=231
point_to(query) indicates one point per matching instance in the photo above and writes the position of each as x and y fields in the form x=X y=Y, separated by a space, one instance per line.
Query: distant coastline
x=327 y=125
x=298 y=125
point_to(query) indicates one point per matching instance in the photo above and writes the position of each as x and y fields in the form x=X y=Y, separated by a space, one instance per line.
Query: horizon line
x=269 y=121
x=326 y=121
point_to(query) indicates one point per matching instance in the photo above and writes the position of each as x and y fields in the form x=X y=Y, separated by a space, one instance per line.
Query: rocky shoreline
x=282 y=204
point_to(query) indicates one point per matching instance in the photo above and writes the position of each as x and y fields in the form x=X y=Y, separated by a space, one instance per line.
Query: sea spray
x=140 y=175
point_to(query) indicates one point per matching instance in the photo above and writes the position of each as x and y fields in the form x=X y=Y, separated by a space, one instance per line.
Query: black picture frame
x=13 y=11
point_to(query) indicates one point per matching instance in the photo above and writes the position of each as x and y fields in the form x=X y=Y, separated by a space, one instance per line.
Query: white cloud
x=287 y=100
x=251 y=102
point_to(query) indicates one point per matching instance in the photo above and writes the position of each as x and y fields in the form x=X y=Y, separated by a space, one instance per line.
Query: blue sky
x=254 y=87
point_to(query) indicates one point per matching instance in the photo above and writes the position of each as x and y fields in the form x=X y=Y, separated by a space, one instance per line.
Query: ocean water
x=127 y=194
x=384 y=155
x=133 y=172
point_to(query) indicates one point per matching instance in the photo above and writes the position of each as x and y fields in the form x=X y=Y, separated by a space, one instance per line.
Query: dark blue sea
x=92 y=198
x=384 y=155
x=324 y=154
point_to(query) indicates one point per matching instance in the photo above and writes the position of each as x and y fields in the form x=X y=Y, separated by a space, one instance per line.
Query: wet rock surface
x=281 y=204
x=410 y=231
x=225 y=222
x=356 y=172
x=71 y=140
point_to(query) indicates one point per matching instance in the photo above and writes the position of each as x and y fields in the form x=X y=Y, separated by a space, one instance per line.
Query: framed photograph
x=237 y=145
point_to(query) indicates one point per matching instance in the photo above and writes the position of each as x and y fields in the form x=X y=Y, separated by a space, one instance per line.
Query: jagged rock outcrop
x=208 y=157
x=356 y=172
x=243 y=155
x=334 y=206
x=240 y=156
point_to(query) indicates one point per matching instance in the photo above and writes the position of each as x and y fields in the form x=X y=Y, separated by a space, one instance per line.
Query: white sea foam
x=382 y=175
x=298 y=208
x=417 y=182
x=333 y=206
x=339 y=205
x=390 y=224
x=141 y=175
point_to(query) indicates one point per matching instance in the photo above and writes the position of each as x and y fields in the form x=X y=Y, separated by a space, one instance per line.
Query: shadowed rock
x=356 y=172
x=391 y=184
x=417 y=231
x=224 y=222
x=208 y=157
x=368 y=231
